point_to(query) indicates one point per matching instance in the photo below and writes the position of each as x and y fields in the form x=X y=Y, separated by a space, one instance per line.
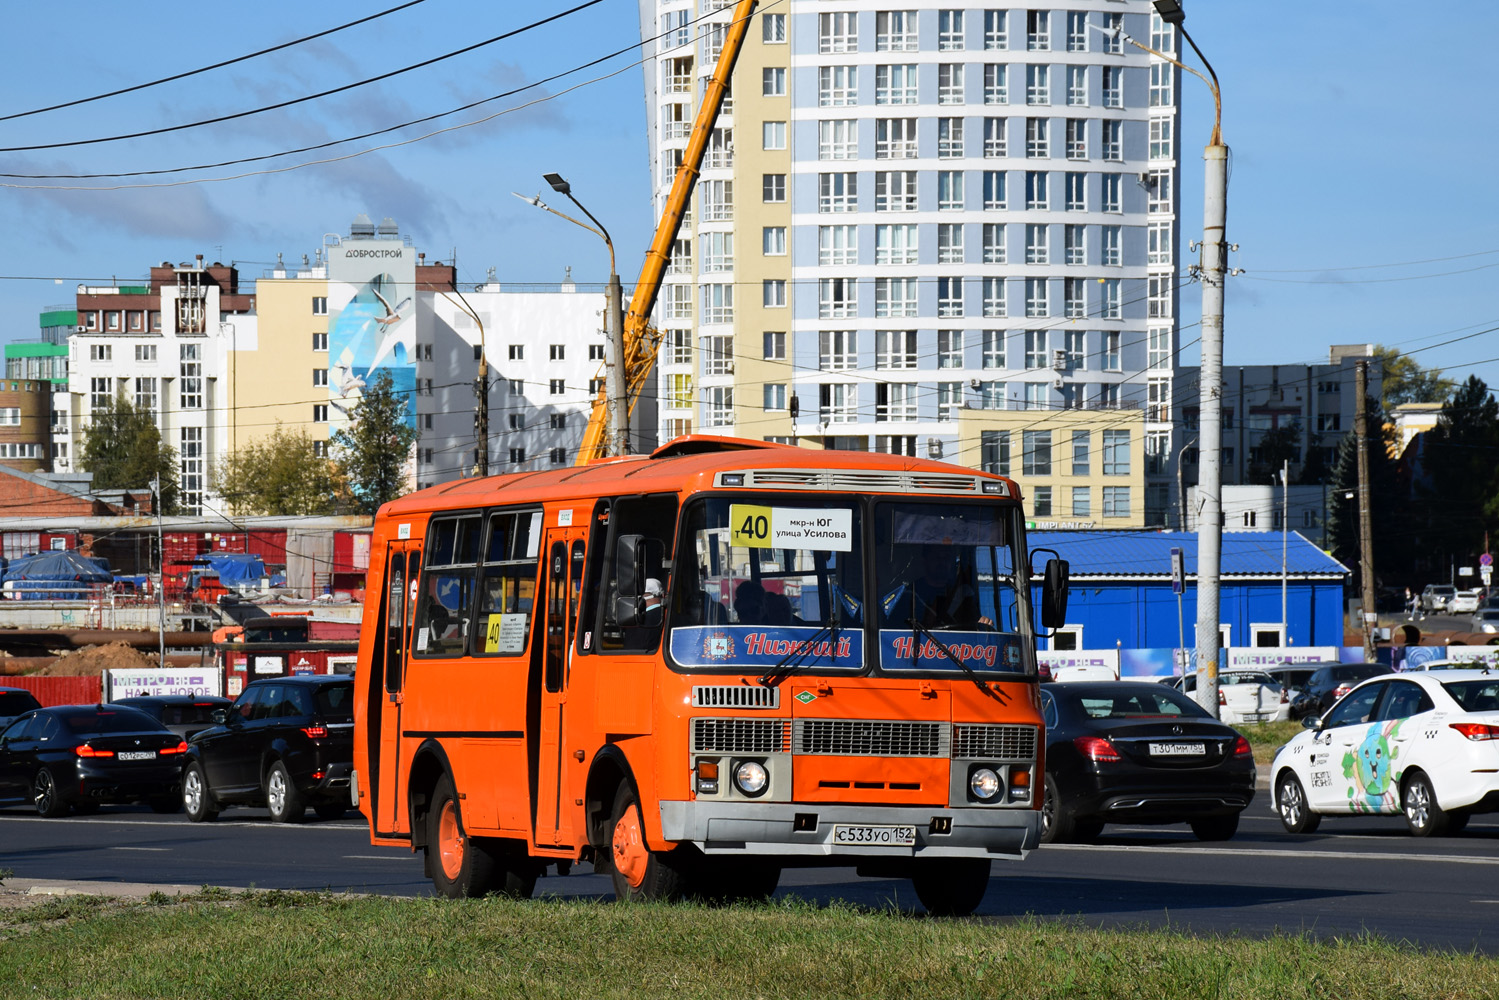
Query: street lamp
x=614 y=321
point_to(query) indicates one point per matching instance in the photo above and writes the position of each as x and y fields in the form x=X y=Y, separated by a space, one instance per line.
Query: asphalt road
x=1355 y=875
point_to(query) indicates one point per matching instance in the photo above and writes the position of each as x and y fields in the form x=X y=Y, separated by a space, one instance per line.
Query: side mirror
x=1054 y=594
x=629 y=611
x=636 y=559
x=220 y=715
x=1312 y=722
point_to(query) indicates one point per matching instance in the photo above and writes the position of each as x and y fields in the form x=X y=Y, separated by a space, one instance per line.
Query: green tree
x=1404 y=381
x=1277 y=446
x=1460 y=479
x=1391 y=524
x=122 y=447
x=374 y=450
x=282 y=474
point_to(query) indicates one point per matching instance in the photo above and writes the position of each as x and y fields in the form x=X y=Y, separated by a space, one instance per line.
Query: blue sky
x=1361 y=137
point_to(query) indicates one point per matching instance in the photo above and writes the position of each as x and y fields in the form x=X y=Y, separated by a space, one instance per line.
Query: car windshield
x=115 y=720
x=1140 y=705
x=16 y=702
x=335 y=702
x=1475 y=696
x=1229 y=677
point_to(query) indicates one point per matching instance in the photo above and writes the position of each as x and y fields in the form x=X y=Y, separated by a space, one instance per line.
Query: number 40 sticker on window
x=758 y=527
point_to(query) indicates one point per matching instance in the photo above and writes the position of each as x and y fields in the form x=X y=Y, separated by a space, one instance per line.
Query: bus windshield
x=945 y=575
x=761 y=580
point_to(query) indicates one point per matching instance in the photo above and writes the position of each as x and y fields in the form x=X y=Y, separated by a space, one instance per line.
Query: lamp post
x=618 y=441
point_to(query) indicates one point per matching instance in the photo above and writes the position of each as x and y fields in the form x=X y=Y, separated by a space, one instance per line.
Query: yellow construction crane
x=642 y=342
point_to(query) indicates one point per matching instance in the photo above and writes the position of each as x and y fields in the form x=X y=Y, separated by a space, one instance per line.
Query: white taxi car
x=1422 y=744
x=1243 y=696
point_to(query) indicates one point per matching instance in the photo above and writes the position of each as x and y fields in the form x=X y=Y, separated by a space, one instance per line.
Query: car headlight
x=984 y=783
x=751 y=778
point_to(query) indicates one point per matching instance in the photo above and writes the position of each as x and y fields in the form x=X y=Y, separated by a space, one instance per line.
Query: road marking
x=377 y=857
x=1462 y=859
x=140 y=848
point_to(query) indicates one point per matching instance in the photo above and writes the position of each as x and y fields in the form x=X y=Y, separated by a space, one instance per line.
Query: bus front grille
x=865 y=738
x=1002 y=742
x=735 y=696
x=740 y=735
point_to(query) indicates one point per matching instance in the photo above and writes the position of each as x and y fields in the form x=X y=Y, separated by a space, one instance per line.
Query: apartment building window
x=1108 y=396
x=1111 y=307
x=1074 y=346
x=838 y=403
x=1035 y=453
x=895 y=31
x=100 y=352
x=674 y=30
x=145 y=395
x=1158 y=188
x=1036 y=238
x=676 y=75
x=679 y=391
x=994 y=190
x=320 y=377
x=1116 y=501
x=1077 y=139
x=1038 y=85
x=1077 y=192
x=895 y=444
x=949 y=298
x=1116 y=453
x=10 y=416
x=996 y=33
x=991 y=395
x=894 y=297
x=994 y=452
x=101 y=395
x=1109 y=237
x=1158 y=297
x=895 y=139
x=320 y=449
x=773 y=81
x=994 y=298
x=1077 y=86
x=556 y=386
x=1162 y=34
x=1075 y=244
x=949 y=138
x=837 y=139
x=994 y=138
x=773 y=29
x=716 y=199
x=949 y=400
x=517 y=421
x=717 y=303
x=837 y=298
x=190 y=377
x=837 y=32
x=1160 y=139
x=517 y=387
x=557 y=352
x=1111 y=356
x=837 y=350
x=895 y=191
x=517 y=456
x=837 y=245
x=557 y=456
x=993 y=354
x=1082 y=501
x=145 y=353
x=1038 y=31
x=1077 y=31
x=773 y=241
x=1113 y=146
x=678 y=347
x=1113 y=86
x=949 y=30
x=1329 y=422
x=1035 y=349
x=320 y=342
x=950 y=83
x=773 y=293
x=1160 y=84
x=595 y=352
x=773 y=188
x=1035 y=190
x=837 y=86
x=1074 y=300
x=775 y=396
x=773 y=135
x=517 y=352
x=774 y=345
x=320 y=305
x=190 y=453
x=949 y=243
x=1158 y=243
x=1113 y=44
x=949 y=190
x=1156 y=443
x=895 y=83
x=320 y=413
x=680 y=259
x=994 y=243
x=996 y=83
x=1158 y=402
x=949 y=348
x=1082 y=449
x=837 y=192
x=894 y=401
x=718 y=355
x=1037 y=141
x=1110 y=185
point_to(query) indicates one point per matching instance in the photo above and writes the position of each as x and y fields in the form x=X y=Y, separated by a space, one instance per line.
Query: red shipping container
x=270 y=546
x=60 y=690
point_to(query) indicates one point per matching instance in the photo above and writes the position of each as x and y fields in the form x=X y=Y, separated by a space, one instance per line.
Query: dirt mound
x=92 y=661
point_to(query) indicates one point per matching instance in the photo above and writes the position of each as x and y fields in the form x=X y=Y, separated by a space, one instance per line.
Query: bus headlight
x=751 y=778
x=984 y=784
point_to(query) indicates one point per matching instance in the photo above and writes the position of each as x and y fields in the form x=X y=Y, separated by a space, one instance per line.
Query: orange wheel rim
x=630 y=854
x=449 y=840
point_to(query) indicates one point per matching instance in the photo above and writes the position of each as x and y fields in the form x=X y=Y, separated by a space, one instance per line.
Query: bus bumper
x=809 y=830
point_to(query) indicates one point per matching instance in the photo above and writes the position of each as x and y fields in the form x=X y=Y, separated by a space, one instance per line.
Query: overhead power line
x=205 y=69
x=310 y=97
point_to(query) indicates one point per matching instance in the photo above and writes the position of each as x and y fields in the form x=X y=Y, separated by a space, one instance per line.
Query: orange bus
x=697 y=667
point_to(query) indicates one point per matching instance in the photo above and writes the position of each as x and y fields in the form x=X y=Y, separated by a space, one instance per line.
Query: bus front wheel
x=464 y=866
x=639 y=873
x=951 y=887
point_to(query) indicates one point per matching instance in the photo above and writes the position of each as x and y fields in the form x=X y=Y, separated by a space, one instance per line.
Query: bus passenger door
x=562 y=590
x=401 y=576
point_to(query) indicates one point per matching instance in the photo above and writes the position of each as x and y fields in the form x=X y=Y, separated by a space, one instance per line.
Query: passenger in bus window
x=777 y=609
x=651 y=614
x=943 y=599
x=749 y=603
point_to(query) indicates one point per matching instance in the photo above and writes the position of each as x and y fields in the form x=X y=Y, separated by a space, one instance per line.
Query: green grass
x=1268 y=737
x=315 y=945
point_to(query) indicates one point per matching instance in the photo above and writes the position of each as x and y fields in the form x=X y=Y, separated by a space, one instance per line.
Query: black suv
x=286 y=743
x=1331 y=682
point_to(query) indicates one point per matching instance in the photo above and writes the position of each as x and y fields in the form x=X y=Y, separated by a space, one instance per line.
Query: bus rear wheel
x=639 y=873
x=464 y=866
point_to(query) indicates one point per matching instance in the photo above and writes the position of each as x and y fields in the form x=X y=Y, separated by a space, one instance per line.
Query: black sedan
x=78 y=756
x=183 y=714
x=1121 y=752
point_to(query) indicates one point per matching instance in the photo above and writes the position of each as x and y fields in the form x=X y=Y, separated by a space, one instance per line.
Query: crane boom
x=643 y=342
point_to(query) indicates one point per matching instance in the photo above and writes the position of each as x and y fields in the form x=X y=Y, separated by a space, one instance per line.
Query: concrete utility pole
x=1365 y=530
x=161 y=574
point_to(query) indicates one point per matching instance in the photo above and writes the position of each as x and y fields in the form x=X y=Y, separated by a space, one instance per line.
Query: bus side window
x=445 y=606
x=395 y=621
x=507 y=586
x=654 y=519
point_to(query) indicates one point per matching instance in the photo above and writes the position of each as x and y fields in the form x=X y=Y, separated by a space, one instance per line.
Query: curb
x=123 y=890
x=1262 y=777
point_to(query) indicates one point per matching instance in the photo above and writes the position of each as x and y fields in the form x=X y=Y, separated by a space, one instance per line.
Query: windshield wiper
x=922 y=631
x=788 y=664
